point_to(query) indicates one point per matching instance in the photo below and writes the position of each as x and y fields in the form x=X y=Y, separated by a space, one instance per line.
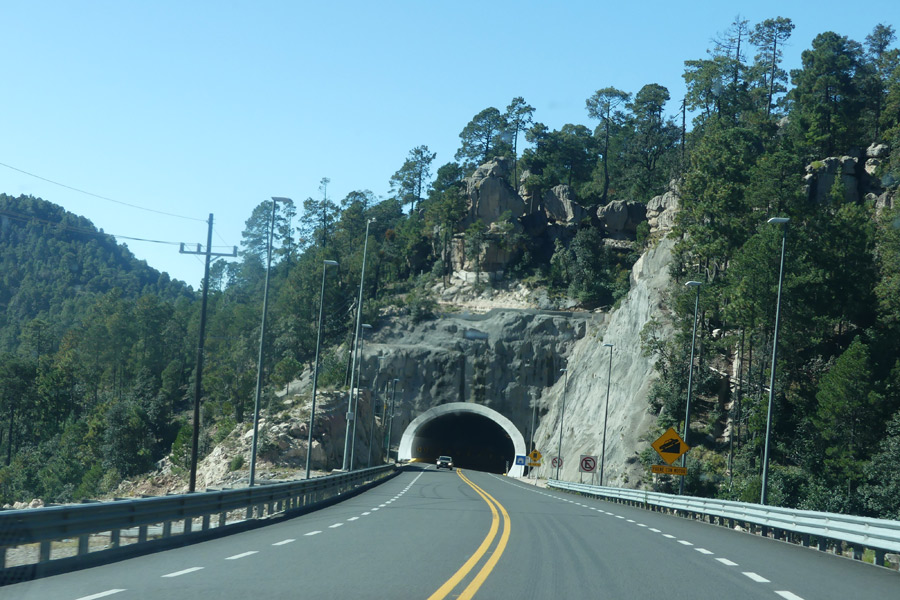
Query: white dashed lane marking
x=283 y=542
x=685 y=543
x=313 y=533
x=702 y=550
x=336 y=525
x=788 y=595
x=671 y=537
x=242 y=555
x=353 y=518
x=727 y=562
x=100 y=595
x=183 y=572
x=755 y=577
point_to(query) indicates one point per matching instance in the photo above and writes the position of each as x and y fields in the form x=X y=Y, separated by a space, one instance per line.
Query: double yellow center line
x=473 y=561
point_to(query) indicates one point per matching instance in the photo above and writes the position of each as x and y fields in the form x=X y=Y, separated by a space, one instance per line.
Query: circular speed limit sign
x=556 y=462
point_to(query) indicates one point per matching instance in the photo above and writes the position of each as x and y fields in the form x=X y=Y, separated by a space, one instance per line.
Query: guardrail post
x=804 y=539
x=879 y=557
x=142 y=534
x=857 y=551
x=248 y=513
x=83 y=544
x=223 y=518
x=188 y=524
x=2 y=558
x=44 y=552
x=115 y=538
x=167 y=529
x=205 y=525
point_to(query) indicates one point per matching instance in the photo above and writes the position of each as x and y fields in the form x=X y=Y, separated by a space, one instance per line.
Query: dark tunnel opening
x=474 y=441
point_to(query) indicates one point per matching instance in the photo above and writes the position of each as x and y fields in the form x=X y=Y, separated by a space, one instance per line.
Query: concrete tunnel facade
x=476 y=436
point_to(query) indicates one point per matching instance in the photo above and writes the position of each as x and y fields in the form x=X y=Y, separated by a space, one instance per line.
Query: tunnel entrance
x=475 y=436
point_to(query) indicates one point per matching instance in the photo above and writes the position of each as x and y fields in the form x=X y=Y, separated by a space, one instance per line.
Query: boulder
x=661 y=210
x=560 y=205
x=877 y=151
x=821 y=175
x=490 y=194
x=620 y=218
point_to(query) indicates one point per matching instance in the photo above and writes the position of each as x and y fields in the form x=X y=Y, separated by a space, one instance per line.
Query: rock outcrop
x=661 y=210
x=620 y=218
x=489 y=194
x=560 y=205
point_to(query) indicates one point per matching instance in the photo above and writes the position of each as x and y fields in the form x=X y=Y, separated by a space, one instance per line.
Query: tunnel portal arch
x=427 y=419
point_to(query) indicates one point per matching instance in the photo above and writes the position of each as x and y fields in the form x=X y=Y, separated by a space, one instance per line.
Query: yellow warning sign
x=670 y=446
x=535 y=456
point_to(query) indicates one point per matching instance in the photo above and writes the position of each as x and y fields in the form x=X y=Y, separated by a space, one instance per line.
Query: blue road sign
x=520 y=460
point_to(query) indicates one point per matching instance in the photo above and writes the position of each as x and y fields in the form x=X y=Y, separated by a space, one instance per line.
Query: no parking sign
x=587 y=464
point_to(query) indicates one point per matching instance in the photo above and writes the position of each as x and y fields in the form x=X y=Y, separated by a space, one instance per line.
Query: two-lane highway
x=430 y=534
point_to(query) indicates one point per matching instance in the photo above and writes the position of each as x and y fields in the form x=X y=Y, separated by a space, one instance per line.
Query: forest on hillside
x=98 y=349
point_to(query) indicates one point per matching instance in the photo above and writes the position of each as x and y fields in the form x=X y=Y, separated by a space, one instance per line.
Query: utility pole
x=262 y=338
x=195 y=440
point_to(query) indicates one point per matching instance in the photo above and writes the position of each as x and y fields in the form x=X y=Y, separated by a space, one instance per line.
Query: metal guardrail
x=827 y=529
x=44 y=526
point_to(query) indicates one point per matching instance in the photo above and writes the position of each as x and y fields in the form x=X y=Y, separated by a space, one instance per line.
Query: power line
x=80 y=191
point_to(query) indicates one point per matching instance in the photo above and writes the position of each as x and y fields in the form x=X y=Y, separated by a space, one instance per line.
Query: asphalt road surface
x=430 y=534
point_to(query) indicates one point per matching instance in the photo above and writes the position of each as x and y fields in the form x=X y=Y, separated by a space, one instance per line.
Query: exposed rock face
x=820 y=177
x=561 y=205
x=490 y=195
x=437 y=362
x=492 y=260
x=632 y=376
x=661 y=210
x=620 y=218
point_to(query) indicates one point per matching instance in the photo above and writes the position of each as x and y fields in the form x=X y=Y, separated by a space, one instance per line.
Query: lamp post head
x=563 y=370
x=366 y=326
x=281 y=199
x=608 y=345
x=330 y=263
x=693 y=283
x=778 y=220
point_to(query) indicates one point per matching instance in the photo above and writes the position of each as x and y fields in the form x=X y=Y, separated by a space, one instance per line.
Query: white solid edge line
x=755 y=577
x=727 y=562
x=242 y=555
x=101 y=594
x=184 y=572
x=283 y=542
x=788 y=595
x=313 y=533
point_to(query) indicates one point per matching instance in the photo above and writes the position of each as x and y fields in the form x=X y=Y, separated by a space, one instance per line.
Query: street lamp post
x=606 y=413
x=372 y=410
x=390 y=431
x=312 y=413
x=562 y=415
x=765 y=473
x=350 y=415
x=362 y=339
x=262 y=337
x=687 y=412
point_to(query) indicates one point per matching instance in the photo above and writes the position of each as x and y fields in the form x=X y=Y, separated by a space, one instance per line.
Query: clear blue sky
x=198 y=107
